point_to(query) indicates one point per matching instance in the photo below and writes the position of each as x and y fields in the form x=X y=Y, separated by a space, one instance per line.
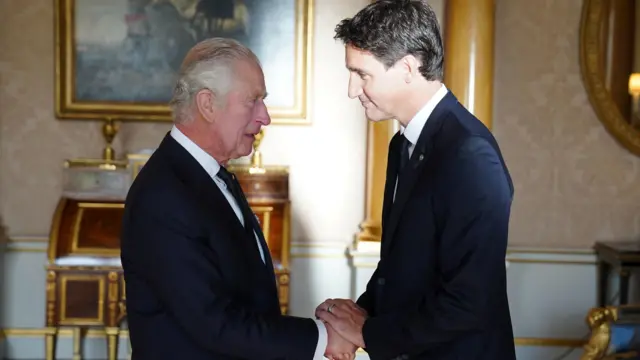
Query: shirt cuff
x=322 y=341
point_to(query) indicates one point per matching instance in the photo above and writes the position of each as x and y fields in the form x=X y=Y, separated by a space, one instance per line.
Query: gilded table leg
x=52 y=329
x=112 y=342
x=113 y=328
x=283 y=289
x=77 y=343
x=50 y=343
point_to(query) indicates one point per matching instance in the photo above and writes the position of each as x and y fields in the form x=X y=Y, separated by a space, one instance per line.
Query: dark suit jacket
x=440 y=291
x=196 y=286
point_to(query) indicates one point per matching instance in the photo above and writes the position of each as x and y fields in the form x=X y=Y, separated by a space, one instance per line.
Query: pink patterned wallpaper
x=574 y=184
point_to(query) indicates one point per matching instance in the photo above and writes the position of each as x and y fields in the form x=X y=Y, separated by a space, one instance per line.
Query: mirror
x=610 y=65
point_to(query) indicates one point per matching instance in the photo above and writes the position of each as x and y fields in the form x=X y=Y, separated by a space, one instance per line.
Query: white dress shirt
x=414 y=128
x=212 y=167
x=416 y=124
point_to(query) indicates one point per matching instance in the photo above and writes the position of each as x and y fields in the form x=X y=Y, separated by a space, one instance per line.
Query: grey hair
x=208 y=65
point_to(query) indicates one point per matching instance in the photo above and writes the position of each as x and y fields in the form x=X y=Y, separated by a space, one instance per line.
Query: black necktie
x=404 y=154
x=250 y=223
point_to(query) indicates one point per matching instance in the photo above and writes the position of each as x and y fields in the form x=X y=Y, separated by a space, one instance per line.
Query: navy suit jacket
x=196 y=286
x=440 y=289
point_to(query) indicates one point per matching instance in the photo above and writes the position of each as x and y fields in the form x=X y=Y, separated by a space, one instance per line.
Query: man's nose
x=355 y=88
x=262 y=114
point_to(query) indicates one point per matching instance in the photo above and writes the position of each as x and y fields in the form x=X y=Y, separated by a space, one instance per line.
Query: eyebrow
x=259 y=95
x=359 y=71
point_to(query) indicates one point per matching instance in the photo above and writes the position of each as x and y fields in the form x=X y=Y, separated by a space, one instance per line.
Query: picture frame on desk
x=119 y=59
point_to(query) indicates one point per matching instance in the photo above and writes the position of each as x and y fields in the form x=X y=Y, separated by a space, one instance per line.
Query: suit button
x=381 y=281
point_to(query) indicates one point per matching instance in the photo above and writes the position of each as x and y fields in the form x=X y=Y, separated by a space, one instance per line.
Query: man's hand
x=345 y=317
x=343 y=303
x=338 y=348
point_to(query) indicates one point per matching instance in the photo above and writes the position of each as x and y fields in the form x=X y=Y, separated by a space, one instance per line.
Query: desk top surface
x=619 y=253
x=627 y=247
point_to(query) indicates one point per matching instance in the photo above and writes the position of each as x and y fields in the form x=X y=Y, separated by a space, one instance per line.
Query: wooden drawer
x=84 y=296
x=273 y=183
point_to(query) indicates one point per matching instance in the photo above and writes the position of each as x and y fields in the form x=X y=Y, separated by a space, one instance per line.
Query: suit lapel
x=393 y=159
x=190 y=172
x=253 y=221
x=413 y=170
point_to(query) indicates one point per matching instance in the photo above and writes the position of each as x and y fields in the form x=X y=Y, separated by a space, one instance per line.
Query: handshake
x=344 y=320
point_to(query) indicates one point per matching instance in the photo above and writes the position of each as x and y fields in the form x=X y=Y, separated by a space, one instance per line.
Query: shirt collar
x=210 y=165
x=414 y=129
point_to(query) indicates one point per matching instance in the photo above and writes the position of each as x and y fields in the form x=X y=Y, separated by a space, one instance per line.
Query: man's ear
x=206 y=104
x=411 y=67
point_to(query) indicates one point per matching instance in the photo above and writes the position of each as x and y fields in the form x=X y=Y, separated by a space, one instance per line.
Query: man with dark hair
x=440 y=289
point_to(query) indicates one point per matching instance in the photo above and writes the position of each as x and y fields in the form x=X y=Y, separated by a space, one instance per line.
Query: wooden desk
x=621 y=256
x=85 y=284
x=82 y=297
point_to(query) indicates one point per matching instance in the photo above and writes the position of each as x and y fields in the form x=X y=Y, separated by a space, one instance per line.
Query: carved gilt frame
x=67 y=107
x=602 y=102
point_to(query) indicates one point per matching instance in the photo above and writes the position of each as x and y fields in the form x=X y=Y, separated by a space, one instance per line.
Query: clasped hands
x=344 y=320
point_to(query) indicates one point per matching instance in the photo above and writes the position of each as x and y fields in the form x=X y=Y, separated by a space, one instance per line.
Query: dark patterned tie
x=250 y=222
x=404 y=154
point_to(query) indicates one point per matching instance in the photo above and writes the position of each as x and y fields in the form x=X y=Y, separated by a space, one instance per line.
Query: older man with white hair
x=199 y=279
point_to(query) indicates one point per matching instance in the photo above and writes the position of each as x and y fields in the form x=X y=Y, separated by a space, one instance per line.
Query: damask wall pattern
x=574 y=184
x=35 y=144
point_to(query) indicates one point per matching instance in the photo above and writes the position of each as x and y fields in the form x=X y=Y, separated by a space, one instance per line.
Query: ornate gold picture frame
x=592 y=57
x=118 y=59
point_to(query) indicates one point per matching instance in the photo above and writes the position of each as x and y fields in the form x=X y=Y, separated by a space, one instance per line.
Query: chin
x=377 y=116
x=243 y=153
x=245 y=149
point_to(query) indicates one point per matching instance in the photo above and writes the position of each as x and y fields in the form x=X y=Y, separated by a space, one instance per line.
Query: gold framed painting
x=118 y=59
